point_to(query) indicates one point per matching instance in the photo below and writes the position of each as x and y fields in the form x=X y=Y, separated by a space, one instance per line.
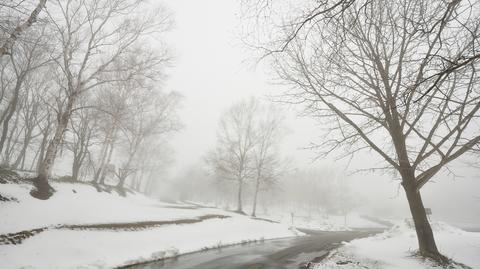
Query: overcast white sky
x=210 y=71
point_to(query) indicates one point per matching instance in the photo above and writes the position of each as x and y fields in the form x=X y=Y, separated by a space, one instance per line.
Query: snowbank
x=107 y=249
x=82 y=204
x=75 y=204
x=396 y=248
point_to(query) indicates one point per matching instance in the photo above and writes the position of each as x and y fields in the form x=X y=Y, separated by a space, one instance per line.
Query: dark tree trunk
x=13 y=108
x=121 y=182
x=43 y=190
x=43 y=145
x=22 y=165
x=426 y=240
x=23 y=151
x=107 y=162
x=107 y=146
x=103 y=155
x=76 y=169
x=79 y=153
x=11 y=142
x=255 y=197
x=239 y=198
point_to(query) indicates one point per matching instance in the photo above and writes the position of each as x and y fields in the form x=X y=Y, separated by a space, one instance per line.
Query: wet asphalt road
x=271 y=254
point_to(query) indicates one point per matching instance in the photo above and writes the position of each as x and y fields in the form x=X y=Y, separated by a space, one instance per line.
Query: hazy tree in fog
x=154 y=159
x=45 y=125
x=84 y=128
x=318 y=191
x=19 y=67
x=194 y=184
x=152 y=114
x=232 y=158
x=113 y=103
x=118 y=99
x=394 y=77
x=13 y=24
x=31 y=116
x=267 y=164
x=92 y=35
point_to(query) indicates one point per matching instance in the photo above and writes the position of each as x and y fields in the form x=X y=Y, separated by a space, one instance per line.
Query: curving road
x=270 y=254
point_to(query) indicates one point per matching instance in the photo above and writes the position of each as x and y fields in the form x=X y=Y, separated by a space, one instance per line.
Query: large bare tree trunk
x=43 y=189
x=426 y=240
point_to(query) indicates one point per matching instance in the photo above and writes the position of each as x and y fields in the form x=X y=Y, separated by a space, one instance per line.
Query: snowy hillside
x=79 y=226
x=395 y=249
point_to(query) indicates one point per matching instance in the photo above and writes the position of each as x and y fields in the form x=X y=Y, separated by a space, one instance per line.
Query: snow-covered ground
x=395 y=249
x=75 y=204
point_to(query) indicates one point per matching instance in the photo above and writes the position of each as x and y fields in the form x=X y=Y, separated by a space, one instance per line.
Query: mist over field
x=239 y=134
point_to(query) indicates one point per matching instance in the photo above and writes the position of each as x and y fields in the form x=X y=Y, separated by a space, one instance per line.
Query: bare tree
x=84 y=127
x=156 y=158
x=133 y=110
x=30 y=117
x=93 y=35
x=46 y=124
x=397 y=78
x=152 y=114
x=271 y=26
x=113 y=103
x=268 y=167
x=24 y=61
x=7 y=44
x=232 y=158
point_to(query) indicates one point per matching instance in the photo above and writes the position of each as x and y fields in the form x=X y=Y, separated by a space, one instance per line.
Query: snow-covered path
x=274 y=254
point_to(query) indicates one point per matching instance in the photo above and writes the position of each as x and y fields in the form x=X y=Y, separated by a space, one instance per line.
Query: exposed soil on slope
x=17 y=238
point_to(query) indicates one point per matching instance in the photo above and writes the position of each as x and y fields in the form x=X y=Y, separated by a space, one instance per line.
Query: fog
x=239 y=134
x=213 y=69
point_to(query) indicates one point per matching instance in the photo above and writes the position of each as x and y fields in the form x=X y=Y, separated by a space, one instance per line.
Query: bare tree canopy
x=247 y=147
x=271 y=26
x=97 y=42
x=232 y=157
x=8 y=43
x=403 y=70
